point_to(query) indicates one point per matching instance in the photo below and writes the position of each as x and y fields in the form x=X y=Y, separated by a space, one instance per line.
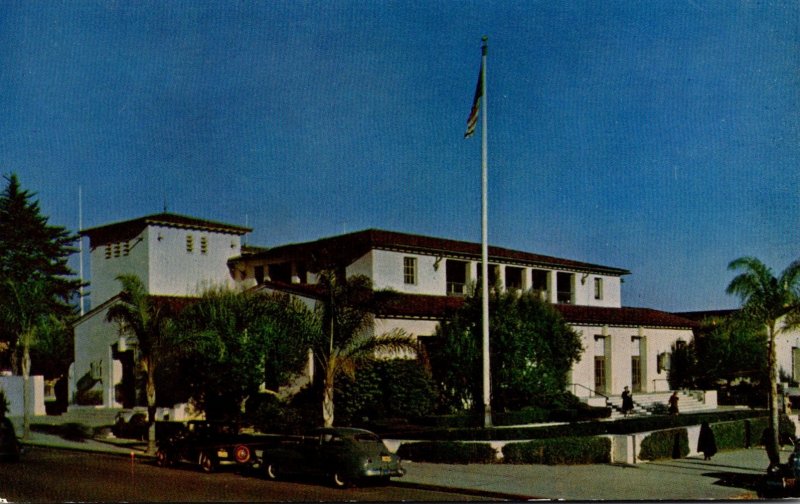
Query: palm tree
x=25 y=307
x=346 y=339
x=775 y=303
x=139 y=315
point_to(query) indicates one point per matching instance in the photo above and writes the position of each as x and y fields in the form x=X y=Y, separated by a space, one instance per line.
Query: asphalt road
x=48 y=475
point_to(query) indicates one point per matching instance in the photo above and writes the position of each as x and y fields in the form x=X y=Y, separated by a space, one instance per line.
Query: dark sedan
x=344 y=455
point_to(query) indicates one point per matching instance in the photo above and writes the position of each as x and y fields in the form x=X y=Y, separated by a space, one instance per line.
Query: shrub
x=672 y=443
x=267 y=413
x=730 y=435
x=527 y=415
x=564 y=451
x=448 y=452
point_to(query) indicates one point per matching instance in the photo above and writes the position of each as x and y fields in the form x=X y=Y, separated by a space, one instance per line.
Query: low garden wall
x=676 y=442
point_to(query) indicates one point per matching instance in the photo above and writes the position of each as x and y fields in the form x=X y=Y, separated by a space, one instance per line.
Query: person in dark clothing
x=673 y=403
x=627 y=402
x=706 y=442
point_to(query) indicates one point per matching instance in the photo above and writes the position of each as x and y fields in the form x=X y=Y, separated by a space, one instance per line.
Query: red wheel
x=241 y=454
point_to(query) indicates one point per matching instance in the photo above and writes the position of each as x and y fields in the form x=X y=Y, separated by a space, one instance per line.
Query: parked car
x=131 y=425
x=783 y=481
x=9 y=445
x=205 y=443
x=343 y=455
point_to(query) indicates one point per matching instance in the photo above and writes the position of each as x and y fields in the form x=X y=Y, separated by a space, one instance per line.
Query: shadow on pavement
x=744 y=481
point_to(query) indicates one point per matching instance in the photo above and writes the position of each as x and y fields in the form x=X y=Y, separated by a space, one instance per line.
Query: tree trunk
x=773 y=444
x=26 y=374
x=151 y=408
x=327 y=398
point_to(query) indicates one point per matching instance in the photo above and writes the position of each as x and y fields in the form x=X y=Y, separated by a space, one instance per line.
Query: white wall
x=176 y=272
x=104 y=271
x=13 y=387
x=618 y=357
x=386 y=269
x=93 y=339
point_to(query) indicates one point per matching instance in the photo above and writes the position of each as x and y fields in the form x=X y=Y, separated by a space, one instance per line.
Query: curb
x=466 y=491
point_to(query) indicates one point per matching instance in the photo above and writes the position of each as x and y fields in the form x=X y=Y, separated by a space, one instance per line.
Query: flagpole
x=80 y=248
x=487 y=406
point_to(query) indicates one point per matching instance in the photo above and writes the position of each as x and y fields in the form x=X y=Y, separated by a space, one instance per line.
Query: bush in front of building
x=671 y=443
x=559 y=451
x=448 y=452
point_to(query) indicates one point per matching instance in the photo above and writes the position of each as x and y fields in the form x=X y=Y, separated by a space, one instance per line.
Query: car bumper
x=380 y=472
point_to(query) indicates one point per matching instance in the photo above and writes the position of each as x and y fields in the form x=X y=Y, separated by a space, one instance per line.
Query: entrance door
x=636 y=364
x=600 y=363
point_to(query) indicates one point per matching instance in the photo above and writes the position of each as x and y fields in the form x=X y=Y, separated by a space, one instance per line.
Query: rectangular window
x=108 y=251
x=514 y=277
x=564 y=288
x=204 y=245
x=117 y=248
x=456 y=273
x=598 y=288
x=126 y=248
x=189 y=244
x=410 y=270
x=636 y=363
x=600 y=363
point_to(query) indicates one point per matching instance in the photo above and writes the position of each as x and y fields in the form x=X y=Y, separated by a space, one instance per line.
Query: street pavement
x=729 y=475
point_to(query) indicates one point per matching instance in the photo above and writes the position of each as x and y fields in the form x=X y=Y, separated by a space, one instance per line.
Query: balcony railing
x=456 y=288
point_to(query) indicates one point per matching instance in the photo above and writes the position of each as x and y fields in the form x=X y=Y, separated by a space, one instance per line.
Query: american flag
x=472 y=120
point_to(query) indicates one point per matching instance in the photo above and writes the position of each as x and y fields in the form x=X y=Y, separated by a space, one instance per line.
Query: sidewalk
x=729 y=475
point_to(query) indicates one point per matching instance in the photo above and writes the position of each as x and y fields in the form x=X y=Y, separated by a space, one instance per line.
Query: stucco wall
x=105 y=270
x=176 y=272
x=618 y=357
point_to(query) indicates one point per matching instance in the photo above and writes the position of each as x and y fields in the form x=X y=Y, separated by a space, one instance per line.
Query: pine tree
x=32 y=250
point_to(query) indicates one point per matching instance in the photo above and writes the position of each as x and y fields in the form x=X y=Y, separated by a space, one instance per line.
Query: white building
x=622 y=346
x=175 y=257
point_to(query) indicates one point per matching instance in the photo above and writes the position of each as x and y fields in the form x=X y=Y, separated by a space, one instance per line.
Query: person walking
x=627 y=401
x=673 y=403
x=706 y=443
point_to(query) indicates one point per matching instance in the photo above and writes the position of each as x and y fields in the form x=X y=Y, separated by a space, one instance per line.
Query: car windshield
x=367 y=438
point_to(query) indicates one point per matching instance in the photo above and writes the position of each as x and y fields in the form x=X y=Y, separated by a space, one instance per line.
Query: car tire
x=207 y=462
x=272 y=471
x=340 y=481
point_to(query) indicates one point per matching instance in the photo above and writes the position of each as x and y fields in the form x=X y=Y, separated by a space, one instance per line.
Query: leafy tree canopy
x=32 y=252
x=233 y=342
x=532 y=350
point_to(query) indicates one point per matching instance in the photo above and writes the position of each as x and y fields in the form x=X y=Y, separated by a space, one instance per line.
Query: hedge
x=566 y=451
x=672 y=443
x=448 y=452
x=623 y=426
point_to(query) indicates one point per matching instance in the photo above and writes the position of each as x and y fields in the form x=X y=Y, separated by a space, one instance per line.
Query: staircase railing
x=592 y=392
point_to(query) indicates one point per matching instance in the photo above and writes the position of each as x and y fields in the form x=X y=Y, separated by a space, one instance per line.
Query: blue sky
x=662 y=137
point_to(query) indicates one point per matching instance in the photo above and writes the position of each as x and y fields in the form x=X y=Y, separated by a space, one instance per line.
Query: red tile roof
x=390 y=304
x=344 y=249
x=130 y=228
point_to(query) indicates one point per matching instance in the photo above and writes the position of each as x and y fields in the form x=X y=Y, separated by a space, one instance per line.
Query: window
x=564 y=289
x=636 y=363
x=410 y=270
x=456 y=272
x=259 y=274
x=117 y=248
x=539 y=282
x=189 y=244
x=514 y=277
x=126 y=248
x=108 y=251
x=598 y=288
x=204 y=245
x=600 y=363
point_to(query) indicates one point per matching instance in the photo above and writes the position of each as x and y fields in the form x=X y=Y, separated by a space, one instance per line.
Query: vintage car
x=343 y=455
x=205 y=443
